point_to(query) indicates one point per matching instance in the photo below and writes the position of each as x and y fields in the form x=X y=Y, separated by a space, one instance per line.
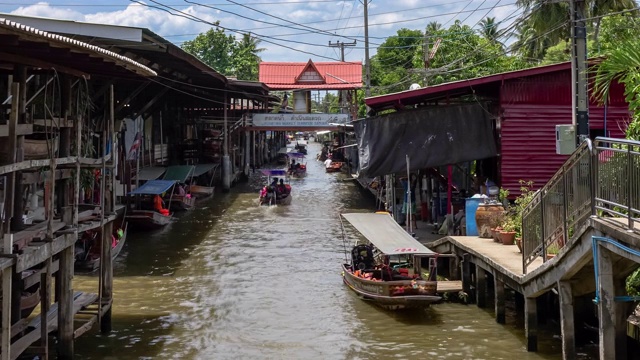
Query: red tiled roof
x=336 y=75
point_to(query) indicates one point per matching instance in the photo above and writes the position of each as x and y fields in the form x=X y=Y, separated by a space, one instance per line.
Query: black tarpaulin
x=432 y=137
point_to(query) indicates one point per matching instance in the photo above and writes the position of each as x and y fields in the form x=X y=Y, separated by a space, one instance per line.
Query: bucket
x=470 y=208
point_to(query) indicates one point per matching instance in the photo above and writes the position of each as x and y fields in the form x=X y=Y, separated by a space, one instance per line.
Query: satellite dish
x=414 y=87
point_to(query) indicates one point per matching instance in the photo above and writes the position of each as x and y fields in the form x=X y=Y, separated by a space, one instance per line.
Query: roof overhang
x=26 y=45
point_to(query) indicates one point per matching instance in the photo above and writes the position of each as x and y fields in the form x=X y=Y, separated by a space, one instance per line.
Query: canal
x=235 y=280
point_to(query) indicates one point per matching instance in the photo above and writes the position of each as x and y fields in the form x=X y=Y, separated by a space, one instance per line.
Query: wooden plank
x=449 y=286
x=6 y=320
x=34 y=255
x=65 y=305
x=21 y=130
x=35 y=177
x=56 y=122
x=60 y=162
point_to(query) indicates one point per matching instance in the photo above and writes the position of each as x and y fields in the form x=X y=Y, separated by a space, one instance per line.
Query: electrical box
x=565 y=139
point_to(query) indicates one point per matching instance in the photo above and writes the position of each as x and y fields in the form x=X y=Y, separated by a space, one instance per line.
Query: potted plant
x=508 y=233
x=552 y=250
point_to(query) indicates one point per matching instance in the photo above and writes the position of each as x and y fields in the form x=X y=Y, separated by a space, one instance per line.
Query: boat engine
x=362 y=257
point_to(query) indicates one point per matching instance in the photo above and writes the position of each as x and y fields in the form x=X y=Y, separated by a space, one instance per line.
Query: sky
x=290 y=30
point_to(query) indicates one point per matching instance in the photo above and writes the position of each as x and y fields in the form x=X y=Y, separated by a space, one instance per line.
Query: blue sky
x=291 y=30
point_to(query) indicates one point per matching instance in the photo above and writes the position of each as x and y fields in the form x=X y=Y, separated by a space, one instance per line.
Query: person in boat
x=293 y=165
x=282 y=188
x=327 y=163
x=158 y=205
x=181 y=190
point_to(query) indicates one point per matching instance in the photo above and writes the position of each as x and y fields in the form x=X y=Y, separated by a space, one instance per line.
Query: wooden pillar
x=498 y=290
x=65 y=151
x=567 y=323
x=6 y=301
x=45 y=302
x=466 y=275
x=454 y=268
x=606 y=306
x=65 y=304
x=253 y=150
x=481 y=287
x=20 y=100
x=531 y=323
x=106 y=274
x=11 y=144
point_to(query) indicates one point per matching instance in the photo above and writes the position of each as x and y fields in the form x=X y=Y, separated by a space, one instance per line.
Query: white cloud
x=42 y=9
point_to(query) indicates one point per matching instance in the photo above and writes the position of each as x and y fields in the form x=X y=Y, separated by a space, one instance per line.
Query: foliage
x=513 y=218
x=489 y=29
x=226 y=54
x=503 y=194
x=622 y=65
x=633 y=283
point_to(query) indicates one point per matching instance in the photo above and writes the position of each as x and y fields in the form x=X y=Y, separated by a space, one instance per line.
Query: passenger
x=327 y=163
x=293 y=165
x=282 y=188
x=158 y=205
x=181 y=191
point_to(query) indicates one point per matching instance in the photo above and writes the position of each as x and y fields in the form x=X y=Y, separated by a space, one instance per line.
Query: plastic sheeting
x=432 y=137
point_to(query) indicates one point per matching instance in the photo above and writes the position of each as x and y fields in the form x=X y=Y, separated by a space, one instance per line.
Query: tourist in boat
x=327 y=163
x=293 y=165
x=282 y=188
x=158 y=205
x=181 y=191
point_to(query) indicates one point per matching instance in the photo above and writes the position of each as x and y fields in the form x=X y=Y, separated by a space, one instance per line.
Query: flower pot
x=488 y=216
x=519 y=243
x=507 y=237
x=550 y=256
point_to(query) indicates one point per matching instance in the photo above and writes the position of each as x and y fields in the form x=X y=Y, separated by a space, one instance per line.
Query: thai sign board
x=299 y=120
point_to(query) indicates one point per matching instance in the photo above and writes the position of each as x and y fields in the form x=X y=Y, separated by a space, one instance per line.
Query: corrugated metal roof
x=337 y=75
x=123 y=61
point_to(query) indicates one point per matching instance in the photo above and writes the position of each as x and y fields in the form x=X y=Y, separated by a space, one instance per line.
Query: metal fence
x=558 y=209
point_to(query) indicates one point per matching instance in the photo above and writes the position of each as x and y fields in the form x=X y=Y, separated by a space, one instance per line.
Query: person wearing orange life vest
x=158 y=205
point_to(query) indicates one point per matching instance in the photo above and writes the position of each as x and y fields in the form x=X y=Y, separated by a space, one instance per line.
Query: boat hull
x=181 y=202
x=380 y=292
x=282 y=201
x=335 y=167
x=201 y=192
x=93 y=264
x=147 y=220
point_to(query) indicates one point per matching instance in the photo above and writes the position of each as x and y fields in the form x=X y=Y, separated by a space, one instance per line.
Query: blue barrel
x=470 y=208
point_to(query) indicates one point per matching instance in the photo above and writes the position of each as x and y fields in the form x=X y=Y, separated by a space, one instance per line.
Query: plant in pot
x=508 y=233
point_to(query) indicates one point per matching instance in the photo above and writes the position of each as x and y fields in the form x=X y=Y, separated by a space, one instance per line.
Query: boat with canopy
x=297 y=164
x=87 y=249
x=150 y=213
x=273 y=193
x=281 y=157
x=181 y=199
x=203 y=174
x=386 y=268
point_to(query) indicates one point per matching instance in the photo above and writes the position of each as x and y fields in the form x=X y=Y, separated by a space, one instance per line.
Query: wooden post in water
x=45 y=302
x=7 y=248
x=567 y=323
x=481 y=287
x=498 y=290
x=454 y=268
x=65 y=303
x=466 y=275
x=531 y=323
x=106 y=270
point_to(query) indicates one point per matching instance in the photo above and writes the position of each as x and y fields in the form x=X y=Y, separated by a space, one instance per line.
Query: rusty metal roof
x=33 y=34
x=331 y=75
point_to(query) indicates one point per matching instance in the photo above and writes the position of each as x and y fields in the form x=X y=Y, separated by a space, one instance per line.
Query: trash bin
x=470 y=208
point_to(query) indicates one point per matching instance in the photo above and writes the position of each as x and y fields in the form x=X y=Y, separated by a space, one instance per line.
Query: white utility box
x=565 y=139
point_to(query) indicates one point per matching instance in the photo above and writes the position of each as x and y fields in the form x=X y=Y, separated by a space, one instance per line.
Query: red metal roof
x=456 y=88
x=288 y=75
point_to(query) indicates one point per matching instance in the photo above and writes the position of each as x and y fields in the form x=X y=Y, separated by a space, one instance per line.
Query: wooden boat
x=298 y=169
x=181 y=202
x=201 y=192
x=90 y=260
x=269 y=194
x=393 y=279
x=200 y=174
x=335 y=166
x=145 y=218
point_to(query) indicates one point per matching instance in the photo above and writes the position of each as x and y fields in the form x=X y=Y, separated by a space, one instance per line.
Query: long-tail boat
x=297 y=164
x=386 y=268
x=180 y=200
x=270 y=194
x=200 y=173
x=146 y=217
x=88 y=249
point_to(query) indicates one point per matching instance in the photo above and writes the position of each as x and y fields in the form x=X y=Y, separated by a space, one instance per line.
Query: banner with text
x=300 y=120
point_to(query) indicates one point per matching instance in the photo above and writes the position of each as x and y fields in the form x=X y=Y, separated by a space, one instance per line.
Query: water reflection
x=235 y=280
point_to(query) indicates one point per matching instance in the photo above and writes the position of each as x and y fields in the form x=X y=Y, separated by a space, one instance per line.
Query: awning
x=202 y=169
x=274 y=172
x=385 y=234
x=153 y=187
x=346 y=146
x=431 y=137
x=321 y=132
x=283 y=150
x=151 y=173
x=179 y=173
x=296 y=155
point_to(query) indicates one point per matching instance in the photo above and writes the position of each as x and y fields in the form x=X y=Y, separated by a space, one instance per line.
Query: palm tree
x=250 y=44
x=433 y=27
x=528 y=44
x=598 y=8
x=622 y=65
x=246 y=57
x=489 y=29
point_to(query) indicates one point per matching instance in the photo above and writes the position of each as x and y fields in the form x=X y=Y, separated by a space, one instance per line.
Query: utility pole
x=367 y=71
x=341 y=45
x=580 y=103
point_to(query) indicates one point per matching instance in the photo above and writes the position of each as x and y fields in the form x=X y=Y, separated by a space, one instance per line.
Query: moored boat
x=202 y=174
x=88 y=253
x=275 y=193
x=180 y=198
x=386 y=268
x=335 y=166
x=151 y=213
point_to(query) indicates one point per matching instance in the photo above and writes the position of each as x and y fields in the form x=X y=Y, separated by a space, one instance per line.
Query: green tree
x=215 y=48
x=395 y=57
x=489 y=29
x=622 y=65
x=246 y=59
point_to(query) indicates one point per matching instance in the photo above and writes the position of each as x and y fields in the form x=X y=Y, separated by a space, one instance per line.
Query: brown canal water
x=232 y=280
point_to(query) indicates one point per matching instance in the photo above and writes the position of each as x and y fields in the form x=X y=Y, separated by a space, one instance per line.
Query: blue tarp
x=153 y=187
x=274 y=172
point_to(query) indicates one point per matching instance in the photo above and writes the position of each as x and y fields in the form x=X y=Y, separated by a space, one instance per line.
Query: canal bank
x=234 y=280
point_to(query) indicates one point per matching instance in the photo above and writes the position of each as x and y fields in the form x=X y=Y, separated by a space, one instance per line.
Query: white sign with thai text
x=299 y=120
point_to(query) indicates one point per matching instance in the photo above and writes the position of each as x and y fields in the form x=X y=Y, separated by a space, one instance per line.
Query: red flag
x=133 y=152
